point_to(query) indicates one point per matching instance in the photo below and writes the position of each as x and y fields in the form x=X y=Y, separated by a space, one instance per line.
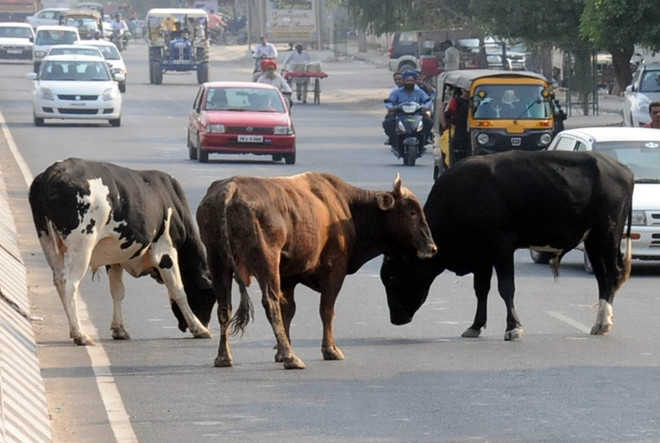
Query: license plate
x=14 y=51
x=76 y=104
x=250 y=139
x=515 y=141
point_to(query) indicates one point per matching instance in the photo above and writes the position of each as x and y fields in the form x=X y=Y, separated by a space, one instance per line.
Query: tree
x=617 y=26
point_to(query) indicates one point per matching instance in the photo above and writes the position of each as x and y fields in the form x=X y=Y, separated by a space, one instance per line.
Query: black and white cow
x=93 y=214
x=486 y=207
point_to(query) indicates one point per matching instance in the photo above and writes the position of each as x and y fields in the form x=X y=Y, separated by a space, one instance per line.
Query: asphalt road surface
x=419 y=382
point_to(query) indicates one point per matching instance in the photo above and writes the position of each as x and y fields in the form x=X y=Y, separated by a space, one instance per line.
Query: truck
x=18 y=10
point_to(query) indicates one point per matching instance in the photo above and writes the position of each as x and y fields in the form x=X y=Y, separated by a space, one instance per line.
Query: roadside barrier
x=23 y=406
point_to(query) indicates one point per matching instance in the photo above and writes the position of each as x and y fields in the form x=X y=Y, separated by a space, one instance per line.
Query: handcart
x=316 y=76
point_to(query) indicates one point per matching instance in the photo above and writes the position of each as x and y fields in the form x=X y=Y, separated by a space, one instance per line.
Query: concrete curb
x=23 y=406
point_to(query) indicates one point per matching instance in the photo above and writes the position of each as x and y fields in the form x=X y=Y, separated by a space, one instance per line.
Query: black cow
x=92 y=214
x=484 y=209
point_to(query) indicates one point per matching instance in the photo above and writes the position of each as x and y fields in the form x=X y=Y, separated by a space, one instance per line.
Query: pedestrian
x=654 y=112
x=452 y=56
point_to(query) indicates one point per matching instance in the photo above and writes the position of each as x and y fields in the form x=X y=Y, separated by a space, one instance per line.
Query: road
x=419 y=382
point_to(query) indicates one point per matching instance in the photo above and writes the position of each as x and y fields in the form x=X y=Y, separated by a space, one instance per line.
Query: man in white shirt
x=299 y=57
x=452 y=57
x=271 y=77
x=265 y=49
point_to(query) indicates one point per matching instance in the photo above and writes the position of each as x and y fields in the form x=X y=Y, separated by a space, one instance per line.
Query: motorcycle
x=409 y=127
x=118 y=38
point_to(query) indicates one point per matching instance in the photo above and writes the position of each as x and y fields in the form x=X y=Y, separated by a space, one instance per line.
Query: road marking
x=27 y=175
x=569 y=321
x=118 y=418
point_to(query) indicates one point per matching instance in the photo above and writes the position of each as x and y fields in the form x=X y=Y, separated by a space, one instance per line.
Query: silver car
x=639 y=149
x=644 y=90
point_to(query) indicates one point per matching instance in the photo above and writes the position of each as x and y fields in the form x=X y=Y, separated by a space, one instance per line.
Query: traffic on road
x=174 y=174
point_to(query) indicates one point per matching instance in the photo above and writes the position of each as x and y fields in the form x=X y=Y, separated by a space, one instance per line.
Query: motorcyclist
x=119 y=28
x=409 y=92
x=263 y=50
x=271 y=77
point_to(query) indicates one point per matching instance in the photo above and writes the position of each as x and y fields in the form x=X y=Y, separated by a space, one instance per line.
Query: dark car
x=404 y=51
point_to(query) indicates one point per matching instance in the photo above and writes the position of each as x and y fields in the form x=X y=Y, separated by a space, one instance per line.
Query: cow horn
x=397 y=185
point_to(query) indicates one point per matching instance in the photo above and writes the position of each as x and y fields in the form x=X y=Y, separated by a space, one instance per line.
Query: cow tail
x=627 y=260
x=54 y=237
x=245 y=309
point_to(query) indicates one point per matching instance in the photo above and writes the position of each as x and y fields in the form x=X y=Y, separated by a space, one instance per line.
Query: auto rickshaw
x=178 y=41
x=507 y=110
x=89 y=22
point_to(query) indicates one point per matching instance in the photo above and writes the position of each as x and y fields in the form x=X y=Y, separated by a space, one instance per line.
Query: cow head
x=405 y=223
x=198 y=286
x=407 y=282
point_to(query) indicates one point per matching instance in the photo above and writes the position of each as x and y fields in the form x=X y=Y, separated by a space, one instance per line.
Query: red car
x=241 y=118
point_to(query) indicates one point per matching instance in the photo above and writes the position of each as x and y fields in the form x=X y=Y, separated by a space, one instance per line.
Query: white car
x=16 y=40
x=74 y=49
x=639 y=149
x=49 y=36
x=644 y=90
x=75 y=87
x=48 y=16
x=113 y=58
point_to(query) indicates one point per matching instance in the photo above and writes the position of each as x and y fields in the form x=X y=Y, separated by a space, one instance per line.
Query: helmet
x=268 y=64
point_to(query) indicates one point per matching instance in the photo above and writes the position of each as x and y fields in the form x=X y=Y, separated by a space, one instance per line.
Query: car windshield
x=109 y=52
x=58 y=50
x=55 y=37
x=643 y=157
x=650 y=82
x=510 y=102
x=68 y=70
x=15 y=32
x=244 y=99
x=81 y=23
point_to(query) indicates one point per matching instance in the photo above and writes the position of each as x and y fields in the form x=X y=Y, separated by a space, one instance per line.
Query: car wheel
x=587 y=263
x=36 y=67
x=290 y=159
x=115 y=122
x=277 y=157
x=202 y=155
x=540 y=258
x=192 y=152
x=122 y=86
x=38 y=121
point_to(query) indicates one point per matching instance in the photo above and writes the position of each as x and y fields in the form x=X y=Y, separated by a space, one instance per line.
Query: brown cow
x=311 y=228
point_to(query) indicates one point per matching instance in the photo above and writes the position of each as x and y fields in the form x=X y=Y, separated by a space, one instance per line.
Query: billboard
x=291 y=20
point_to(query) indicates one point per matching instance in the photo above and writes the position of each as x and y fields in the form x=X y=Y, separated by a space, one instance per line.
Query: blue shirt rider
x=409 y=92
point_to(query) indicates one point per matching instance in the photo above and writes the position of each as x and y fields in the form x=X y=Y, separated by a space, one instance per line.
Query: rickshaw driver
x=409 y=92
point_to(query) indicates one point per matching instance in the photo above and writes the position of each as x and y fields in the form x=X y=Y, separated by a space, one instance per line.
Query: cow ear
x=385 y=201
x=396 y=190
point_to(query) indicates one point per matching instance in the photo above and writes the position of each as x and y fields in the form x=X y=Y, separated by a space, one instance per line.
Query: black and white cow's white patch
x=92 y=214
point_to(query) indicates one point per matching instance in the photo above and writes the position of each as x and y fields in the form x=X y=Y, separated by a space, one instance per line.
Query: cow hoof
x=278 y=357
x=332 y=353
x=202 y=333
x=223 y=362
x=513 y=334
x=83 y=340
x=120 y=333
x=471 y=333
x=293 y=362
x=601 y=329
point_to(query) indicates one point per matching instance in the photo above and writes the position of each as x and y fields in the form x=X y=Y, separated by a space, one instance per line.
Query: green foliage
x=621 y=23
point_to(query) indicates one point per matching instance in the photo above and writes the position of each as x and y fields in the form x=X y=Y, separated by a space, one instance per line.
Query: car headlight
x=638 y=218
x=282 y=130
x=545 y=139
x=46 y=93
x=483 y=138
x=109 y=94
x=217 y=129
x=39 y=54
